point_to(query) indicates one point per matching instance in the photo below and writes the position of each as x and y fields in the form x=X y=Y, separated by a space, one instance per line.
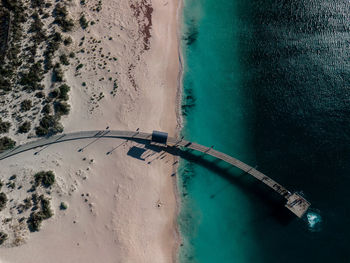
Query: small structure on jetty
x=295 y=202
x=159 y=138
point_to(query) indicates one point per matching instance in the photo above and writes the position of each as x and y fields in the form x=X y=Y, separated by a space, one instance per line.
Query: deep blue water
x=269 y=83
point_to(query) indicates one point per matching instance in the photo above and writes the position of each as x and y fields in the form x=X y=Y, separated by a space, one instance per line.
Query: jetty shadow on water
x=272 y=204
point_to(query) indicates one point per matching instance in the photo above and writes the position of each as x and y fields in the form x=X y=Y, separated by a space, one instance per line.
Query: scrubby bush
x=37 y=28
x=61 y=108
x=46 y=109
x=83 y=22
x=79 y=66
x=3 y=201
x=54 y=93
x=56 y=37
x=63 y=206
x=61 y=18
x=4 y=126
x=34 y=221
x=64 y=59
x=64 y=89
x=41 y=131
x=26 y=105
x=38 y=3
x=48 y=121
x=57 y=73
x=40 y=94
x=24 y=127
x=6 y=143
x=67 y=41
x=35 y=218
x=45 y=179
x=31 y=80
x=3 y=237
x=49 y=125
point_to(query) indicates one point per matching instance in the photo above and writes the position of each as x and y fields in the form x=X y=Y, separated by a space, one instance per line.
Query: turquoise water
x=216 y=213
x=267 y=82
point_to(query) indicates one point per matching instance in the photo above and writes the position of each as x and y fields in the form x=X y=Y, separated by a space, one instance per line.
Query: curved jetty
x=295 y=202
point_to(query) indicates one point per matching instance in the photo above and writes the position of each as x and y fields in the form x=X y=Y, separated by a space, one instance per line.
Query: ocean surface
x=267 y=82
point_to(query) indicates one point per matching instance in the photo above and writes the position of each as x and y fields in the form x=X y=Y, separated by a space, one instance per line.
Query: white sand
x=121 y=220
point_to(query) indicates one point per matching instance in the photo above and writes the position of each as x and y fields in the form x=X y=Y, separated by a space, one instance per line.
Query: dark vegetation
x=4 y=126
x=46 y=179
x=63 y=206
x=64 y=90
x=36 y=217
x=3 y=237
x=6 y=143
x=24 y=127
x=61 y=18
x=22 y=67
x=3 y=201
x=49 y=125
x=64 y=59
x=61 y=108
x=26 y=105
x=46 y=109
x=83 y=22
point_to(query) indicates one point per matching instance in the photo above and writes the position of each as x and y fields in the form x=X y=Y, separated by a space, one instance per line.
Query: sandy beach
x=120 y=208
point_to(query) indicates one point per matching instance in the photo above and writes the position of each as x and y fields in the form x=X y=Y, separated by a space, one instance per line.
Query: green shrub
x=57 y=74
x=45 y=179
x=64 y=59
x=26 y=105
x=63 y=206
x=46 y=109
x=54 y=93
x=6 y=144
x=56 y=37
x=38 y=3
x=34 y=221
x=27 y=203
x=49 y=125
x=31 y=80
x=3 y=237
x=4 y=126
x=3 y=201
x=45 y=207
x=83 y=22
x=79 y=66
x=48 y=121
x=64 y=89
x=25 y=127
x=35 y=218
x=41 y=131
x=40 y=94
x=67 y=41
x=61 y=108
x=61 y=18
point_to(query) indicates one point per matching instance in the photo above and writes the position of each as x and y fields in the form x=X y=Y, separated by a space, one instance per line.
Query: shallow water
x=216 y=213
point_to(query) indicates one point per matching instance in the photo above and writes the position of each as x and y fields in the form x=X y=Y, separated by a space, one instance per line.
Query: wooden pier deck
x=295 y=202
